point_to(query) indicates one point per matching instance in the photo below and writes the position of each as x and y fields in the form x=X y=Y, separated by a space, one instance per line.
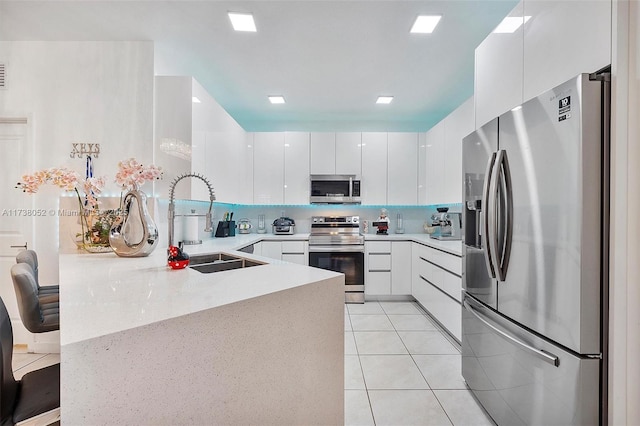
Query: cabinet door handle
x=24 y=246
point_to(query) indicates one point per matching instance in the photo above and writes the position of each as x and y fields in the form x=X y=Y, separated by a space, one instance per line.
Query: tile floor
x=24 y=362
x=401 y=370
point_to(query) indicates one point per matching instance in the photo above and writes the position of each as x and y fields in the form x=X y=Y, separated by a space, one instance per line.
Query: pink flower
x=66 y=179
x=132 y=174
x=60 y=176
x=93 y=186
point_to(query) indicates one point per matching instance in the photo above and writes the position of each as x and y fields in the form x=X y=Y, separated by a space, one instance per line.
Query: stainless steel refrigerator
x=535 y=258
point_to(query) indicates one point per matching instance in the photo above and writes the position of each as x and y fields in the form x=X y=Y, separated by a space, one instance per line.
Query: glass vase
x=96 y=225
x=134 y=233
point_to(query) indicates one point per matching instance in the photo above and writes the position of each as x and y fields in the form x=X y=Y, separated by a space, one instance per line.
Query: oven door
x=346 y=259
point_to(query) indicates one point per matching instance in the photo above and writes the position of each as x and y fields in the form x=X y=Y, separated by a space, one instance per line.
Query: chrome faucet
x=172 y=206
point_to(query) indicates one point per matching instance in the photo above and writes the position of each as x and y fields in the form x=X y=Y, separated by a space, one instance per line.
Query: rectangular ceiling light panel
x=242 y=21
x=425 y=24
x=276 y=99
x=384 y=99
x=510 y=24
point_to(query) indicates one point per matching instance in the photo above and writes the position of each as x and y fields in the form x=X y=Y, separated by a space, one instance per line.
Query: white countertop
x=104 y=293
x=451 y=247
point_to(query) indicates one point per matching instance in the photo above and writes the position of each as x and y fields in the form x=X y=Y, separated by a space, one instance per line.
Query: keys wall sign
x=79 y=150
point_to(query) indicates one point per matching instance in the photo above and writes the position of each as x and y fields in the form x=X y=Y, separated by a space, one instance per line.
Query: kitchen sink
x=218 y=262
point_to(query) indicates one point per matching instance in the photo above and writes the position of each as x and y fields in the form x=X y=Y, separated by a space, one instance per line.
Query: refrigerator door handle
x=539 y=353
x=488 y=208
x=502 y=177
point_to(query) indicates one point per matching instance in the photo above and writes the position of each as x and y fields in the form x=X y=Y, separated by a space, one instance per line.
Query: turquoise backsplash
x=413 y=216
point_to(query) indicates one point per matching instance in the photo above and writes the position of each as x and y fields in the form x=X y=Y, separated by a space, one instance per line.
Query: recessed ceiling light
x=510 y=24
x=195 y=100
x=276 y=99
x=242 y=21
x=384 y=99
x=425 y=24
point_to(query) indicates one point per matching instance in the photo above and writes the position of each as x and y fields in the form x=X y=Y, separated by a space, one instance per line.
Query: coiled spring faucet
x=172 y=206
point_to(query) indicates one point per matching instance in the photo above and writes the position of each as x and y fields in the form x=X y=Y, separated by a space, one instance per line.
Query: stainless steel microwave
x=335 y=189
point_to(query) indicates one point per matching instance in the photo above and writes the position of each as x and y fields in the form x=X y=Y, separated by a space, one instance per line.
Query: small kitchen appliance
x=447 y=226
x=244 y=226
x=335 y=243
x=284 y=226
x=335 y=189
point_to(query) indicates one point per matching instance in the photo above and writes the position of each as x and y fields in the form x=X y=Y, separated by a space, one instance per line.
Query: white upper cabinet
x=563 y=39
x=336 y=153
x=268 y=168
x=457 y=125
x=402 y=163
x=374 y=168
x=422 y=168
x=348 y=153
x=498 y=72
x=245 y=187
x=296 y=168
x=558 y=41
x=442 y=158
x=323 y=153
x=435 y=178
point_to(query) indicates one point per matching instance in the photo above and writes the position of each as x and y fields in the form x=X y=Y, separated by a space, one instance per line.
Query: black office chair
x=39 y=314
x=38 y=392
x=50 y=292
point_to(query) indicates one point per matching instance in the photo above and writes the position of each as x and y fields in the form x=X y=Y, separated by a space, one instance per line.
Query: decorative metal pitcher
x=134 y=234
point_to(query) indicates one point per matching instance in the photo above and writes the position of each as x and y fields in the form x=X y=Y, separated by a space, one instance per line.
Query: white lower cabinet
x=289 y=251
x=437 y=285
x=401 y=267
x=295 y=252
x=387 y=268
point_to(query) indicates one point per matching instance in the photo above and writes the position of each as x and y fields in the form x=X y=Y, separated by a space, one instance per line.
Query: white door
x=16 y=211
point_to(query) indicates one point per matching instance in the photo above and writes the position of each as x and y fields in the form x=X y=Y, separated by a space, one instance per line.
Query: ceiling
x=329 y=59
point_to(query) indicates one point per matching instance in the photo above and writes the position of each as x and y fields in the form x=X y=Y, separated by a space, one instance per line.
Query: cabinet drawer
x=444 y=309
x=293 y=247
x=452 y=285
x=378 y=283
x=445 y=281
x=300 y=259
x=379 y=247
x=445 y=260
x=379 y=262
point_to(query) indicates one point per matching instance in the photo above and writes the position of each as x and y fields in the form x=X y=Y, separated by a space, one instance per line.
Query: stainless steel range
x=335 y=244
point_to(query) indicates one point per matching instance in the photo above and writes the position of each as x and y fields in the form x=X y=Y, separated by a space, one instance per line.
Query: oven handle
x=337 y=248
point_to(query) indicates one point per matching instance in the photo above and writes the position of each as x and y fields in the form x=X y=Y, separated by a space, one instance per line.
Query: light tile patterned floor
x=23 y=362
x=400 y=369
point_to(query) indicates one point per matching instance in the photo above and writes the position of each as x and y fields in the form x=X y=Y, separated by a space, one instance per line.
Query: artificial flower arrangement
x=95 y=223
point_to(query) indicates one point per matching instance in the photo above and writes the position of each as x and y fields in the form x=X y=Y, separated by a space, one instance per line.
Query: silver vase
x=134 y=233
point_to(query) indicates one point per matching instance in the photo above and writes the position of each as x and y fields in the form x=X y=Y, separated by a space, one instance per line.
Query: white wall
x=97 y=92
x=624 y=368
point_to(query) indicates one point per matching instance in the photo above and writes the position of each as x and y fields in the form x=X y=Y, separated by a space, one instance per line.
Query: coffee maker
x=447 y=225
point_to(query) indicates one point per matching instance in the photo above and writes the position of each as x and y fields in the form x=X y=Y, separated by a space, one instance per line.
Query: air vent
x=3 y=76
